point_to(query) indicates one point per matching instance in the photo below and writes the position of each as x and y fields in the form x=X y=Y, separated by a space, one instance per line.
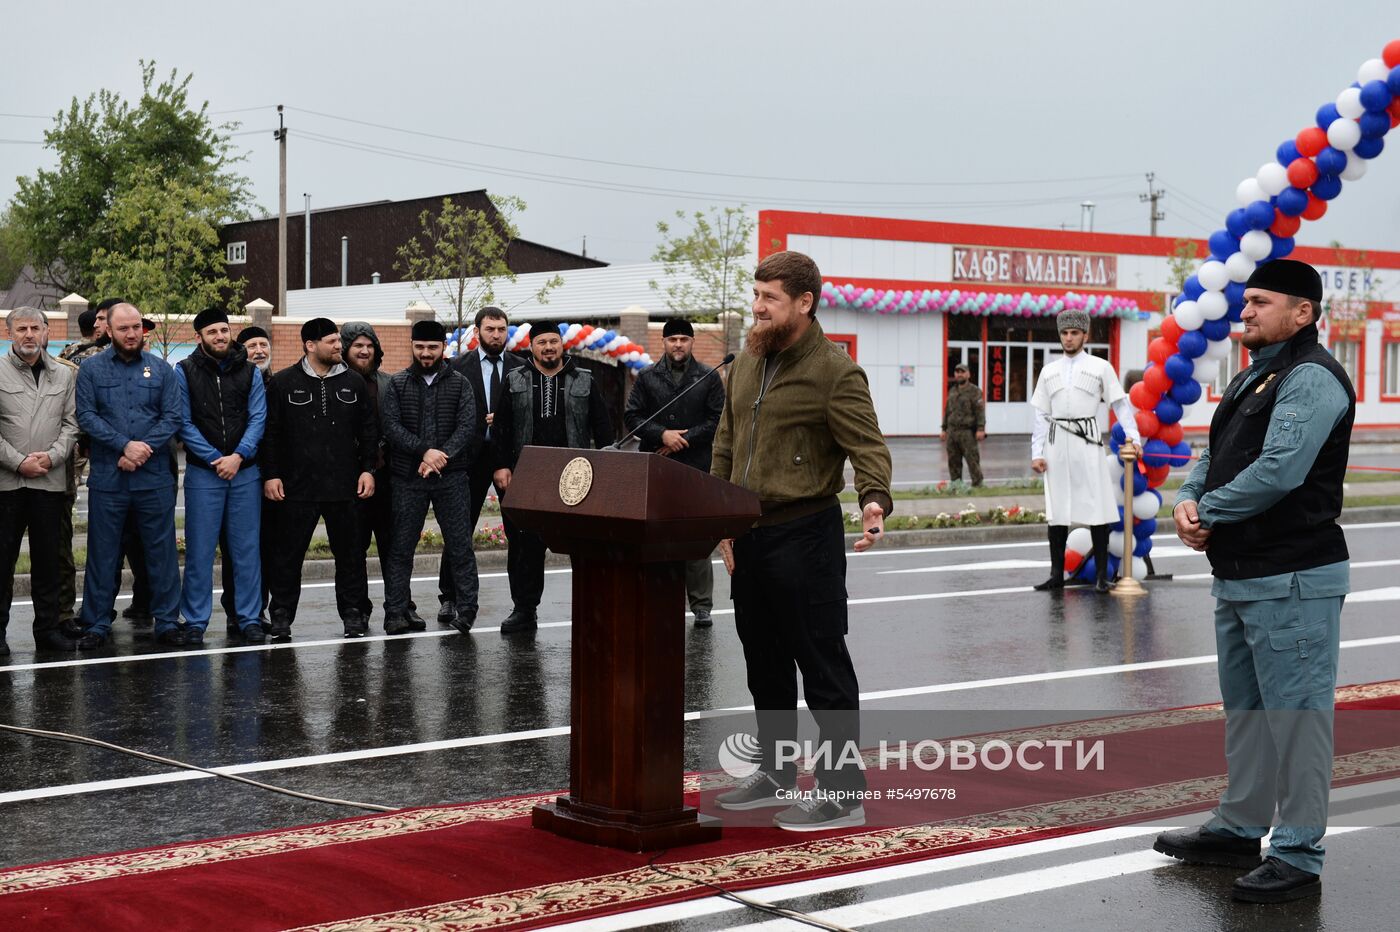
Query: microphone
x=618 y=445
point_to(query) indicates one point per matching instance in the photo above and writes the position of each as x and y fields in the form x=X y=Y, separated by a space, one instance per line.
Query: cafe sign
x=1034 y=267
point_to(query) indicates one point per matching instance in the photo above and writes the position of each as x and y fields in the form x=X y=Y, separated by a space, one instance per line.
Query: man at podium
x=797 y=408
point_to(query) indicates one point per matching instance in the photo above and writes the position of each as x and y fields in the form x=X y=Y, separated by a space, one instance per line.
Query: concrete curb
x=426 y=564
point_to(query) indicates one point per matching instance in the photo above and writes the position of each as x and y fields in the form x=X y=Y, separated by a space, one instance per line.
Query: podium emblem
x=575 y=481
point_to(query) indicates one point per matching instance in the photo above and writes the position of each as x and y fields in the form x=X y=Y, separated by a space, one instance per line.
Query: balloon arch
x=594 y=341
x=1308 y=171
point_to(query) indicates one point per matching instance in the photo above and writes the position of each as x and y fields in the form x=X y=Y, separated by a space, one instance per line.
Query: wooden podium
x=626 y=520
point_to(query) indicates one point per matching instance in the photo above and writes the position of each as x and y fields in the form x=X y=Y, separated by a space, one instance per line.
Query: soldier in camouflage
x=964 y=423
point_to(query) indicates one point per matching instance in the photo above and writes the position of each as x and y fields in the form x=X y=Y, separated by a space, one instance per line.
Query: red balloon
x=1171 y=330
x=1156 y=475
x=1147 y=424
x=1315 y=209
x=1391 y=55
x=1285 y=225
x=1302 y=172
x=1394 y=107
x=1158 y=384
x=1310 y=142
x=1142 y=397
x=1171 y=434
x=1160 y=350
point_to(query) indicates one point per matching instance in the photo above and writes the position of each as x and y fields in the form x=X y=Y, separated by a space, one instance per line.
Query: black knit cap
x=318 y=327
x=677 y=327
x=109 y=303
x=253 y=333
x=538 y=327
x=210 y=315
x=428 y=331
x=87 y=320
x=1288 y=276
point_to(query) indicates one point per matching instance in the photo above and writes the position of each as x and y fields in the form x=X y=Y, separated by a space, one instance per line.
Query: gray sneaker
x=758 y=791
x=815 y=813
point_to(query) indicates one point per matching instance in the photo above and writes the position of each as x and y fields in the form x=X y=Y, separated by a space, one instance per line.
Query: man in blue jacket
x=129 y=405
x=223 y=409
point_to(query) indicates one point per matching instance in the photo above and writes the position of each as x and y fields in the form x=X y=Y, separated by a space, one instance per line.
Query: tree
x=12 y=260
x=707 y=264
x=1181 y=264
x=106 y=146
x=170 y=264
x=459 y=255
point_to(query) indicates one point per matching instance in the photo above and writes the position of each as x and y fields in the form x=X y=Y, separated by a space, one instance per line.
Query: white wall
x=884 y=343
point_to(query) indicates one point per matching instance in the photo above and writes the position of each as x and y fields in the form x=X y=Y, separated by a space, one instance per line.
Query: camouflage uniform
x=963 y=415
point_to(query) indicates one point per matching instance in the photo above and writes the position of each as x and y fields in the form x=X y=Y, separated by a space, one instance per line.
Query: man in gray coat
x=38 y=428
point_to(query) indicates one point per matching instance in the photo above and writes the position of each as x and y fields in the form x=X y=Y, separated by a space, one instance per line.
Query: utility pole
x=585 y=245
x=281 y=137
x=307 y=224
x=1086 y=209
x=1152 y=196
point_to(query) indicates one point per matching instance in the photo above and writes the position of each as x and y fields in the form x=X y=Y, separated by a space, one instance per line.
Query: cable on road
x=726 y=894
x=156 y=758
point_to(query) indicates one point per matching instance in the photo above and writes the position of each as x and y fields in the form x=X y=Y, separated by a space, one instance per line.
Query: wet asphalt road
x=439 y=717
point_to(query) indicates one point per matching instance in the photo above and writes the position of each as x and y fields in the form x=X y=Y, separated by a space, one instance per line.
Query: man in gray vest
x=1262 y=503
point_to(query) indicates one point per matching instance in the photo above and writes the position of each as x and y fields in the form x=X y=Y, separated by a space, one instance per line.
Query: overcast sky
x=985 y=112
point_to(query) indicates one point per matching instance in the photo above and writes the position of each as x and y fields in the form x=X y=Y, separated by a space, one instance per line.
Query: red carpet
x=481 y=866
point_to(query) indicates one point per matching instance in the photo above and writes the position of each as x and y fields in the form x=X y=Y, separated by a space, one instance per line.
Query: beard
x=763 y=340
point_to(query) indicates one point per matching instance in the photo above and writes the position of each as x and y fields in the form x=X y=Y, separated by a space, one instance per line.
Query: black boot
x=1098 y=533
x=1059 y=536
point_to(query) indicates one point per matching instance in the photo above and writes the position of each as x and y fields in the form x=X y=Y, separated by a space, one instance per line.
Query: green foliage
x=459 y=254
x=706 y=262
x=1181 y=264
x=11 y=251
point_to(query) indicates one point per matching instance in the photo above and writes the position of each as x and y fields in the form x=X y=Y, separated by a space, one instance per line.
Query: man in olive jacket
x=797 y=408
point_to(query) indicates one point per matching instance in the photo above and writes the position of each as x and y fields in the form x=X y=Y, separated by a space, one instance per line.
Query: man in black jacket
x=486 y=368
x=318 y=458
x=430 y=417
x=549 y=403
x=685 y=433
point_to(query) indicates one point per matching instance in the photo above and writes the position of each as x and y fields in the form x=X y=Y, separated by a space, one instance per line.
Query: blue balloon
x=1141 y=545
x=1283 y=245
x=1287 y=153
x=1214 y=330
x=1292 y=202
x=1139 y=483
x=1167 y=410
x=1327 y=115
x=1192 y=289
x=1392 y=80
x=1327 y=187
x=1374 y=125
x=1117 y=525
x=1191 y=344
x=1235 y=312
x=1223 y=245
x=1376 y=96
x=1238 y=224
x=1369 y=148
x=510 y=331
x=1260 y=215
x=1117 y=433
x=1331 y=161
x=1234 y=292
x=1155 y=453
x=1087 y=570
x=1145 y=528
x=1179 y=368
x=1186 y=393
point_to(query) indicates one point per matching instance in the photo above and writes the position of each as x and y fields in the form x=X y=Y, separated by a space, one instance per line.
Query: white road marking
x=1389 y=594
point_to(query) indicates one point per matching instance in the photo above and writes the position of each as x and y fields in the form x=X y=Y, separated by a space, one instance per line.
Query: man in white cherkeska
x=1066 y=446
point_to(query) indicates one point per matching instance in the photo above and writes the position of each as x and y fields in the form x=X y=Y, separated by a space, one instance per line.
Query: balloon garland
x=1308 y=172
x=881 y=301
x=584 y=337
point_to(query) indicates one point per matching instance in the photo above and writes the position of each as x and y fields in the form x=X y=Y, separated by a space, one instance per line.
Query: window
x=1390 y=368
x=847 y=341
x=1229 y=368
x=1348 y=353
x=236 y=253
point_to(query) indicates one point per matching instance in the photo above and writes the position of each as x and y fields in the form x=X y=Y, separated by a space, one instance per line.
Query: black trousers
x=267 y=534
x=524 y=566
x=377 y=523
x=789 y=589
x=67 y=567
x=296 y=525
x=479 y=483
x=41 y=514
x=447 y=495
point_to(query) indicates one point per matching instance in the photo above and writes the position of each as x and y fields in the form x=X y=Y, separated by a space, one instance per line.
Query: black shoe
x=70 y=627
x=356 y=626
x=253 y=634
x=1102 y=585
x=91 y=641
x=194 y=637
x=1277 y=881
x=415 y=620
x=54 y=640
x=1054 y=582
x=281 y=630
x=139 y=619
x=4 y=648
x=518 y=622
x=173 y=637
x=463 y=621
x=1202 y=846
x=397 y=625
x=703 y=620
x=447 y=613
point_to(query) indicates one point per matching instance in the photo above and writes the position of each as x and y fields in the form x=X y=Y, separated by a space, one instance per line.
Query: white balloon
x=1248 y=192
x=1145 y=506
x=1373 y=69
x=1356 y=167
x=1212 y=275
x=1256 y=244
x=1240 y=267
x=1080 y=541
x=1237 y=326
x=1272 y=177
x=1115 y=469
x=1188 y=315
x=1344 y=134
x=1213 y=305
x=1349 y=103
x=1217 y=350
x=1207 y=367
x=1115 y=543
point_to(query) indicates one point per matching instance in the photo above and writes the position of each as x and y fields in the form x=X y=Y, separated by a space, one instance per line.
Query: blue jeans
x=1278 y=674
x=153 y=513
x=214 y=506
